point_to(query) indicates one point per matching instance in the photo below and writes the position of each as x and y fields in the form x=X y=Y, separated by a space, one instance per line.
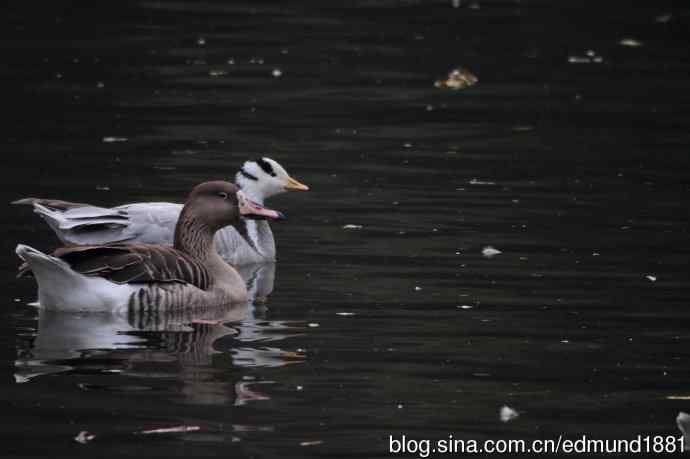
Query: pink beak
x=250 y=209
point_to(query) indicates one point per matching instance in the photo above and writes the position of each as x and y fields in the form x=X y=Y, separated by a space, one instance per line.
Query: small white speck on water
x=489 y=251
x=17 y=300
x=465 y=306
x=663 y=18
x=201 y=41
x=352 y=227
x=456 y=3
x=417 y=288
x=113 y=139
x=84 y=437
x=248 y=378
x=565 y=341
x=58 y=76
x=345 y=314
x=407 y=145
x=299 y=388
x=650 y=278
x=475 y=181
x=630 y=42
x=277 y=73
x=400 y=406
x=595 y=254
x=507 y=414
x=429 y=108
x=103 y=188
x=100 y=85
x=313 y=325
x=311 y=443
x=217 y=73
x=231 y=62
x=579 y=60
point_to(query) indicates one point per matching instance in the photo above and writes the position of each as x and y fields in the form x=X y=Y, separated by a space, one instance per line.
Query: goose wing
x=124 y=264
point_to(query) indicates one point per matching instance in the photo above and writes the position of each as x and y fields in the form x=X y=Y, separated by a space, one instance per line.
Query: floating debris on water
x=277 y=73
x=417 y=288
x=489 y=251
x=507 y=414
x=84 y=437
x=651 y=278
x=663 y=18
x=112 y=139
x=459 y=78
x=103 y=188
x=465 y=306
x=475 y=181
x=100 y=85
x=354 y=227
x=217 y=73
x=165 y=430
x=311 y=443
x=630 y=42
x=344 y=313
x=313 y=325
x=590 y=57
x=201 y=41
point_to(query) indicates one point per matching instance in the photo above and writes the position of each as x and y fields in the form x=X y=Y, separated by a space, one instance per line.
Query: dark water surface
x=576 y=171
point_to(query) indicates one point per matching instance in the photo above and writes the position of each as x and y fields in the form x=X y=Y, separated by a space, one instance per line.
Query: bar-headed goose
x=154 y=222
x=121 y=278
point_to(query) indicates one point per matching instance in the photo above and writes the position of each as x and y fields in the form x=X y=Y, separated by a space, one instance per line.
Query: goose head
x=262 y=178
x=219 y=204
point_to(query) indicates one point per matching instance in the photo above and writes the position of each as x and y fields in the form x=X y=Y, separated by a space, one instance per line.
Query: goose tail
x=81 y=224
x=45 y=268
x=62 y=288
x=56 y=280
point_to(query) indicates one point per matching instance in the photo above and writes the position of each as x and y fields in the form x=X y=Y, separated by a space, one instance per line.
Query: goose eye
x=223 y=195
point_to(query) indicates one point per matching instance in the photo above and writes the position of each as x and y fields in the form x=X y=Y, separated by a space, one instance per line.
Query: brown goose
x=120 y=278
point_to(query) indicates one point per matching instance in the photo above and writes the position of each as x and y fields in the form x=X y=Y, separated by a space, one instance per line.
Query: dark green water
x=577 y=172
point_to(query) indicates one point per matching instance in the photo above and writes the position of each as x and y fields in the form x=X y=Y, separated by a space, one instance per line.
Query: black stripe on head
x=248 y=175
x=266 y=166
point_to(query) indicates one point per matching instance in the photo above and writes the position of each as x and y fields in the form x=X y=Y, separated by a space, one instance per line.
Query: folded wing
x=136 y=264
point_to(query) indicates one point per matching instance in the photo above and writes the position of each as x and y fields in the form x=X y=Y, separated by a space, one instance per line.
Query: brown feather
x=136 y=264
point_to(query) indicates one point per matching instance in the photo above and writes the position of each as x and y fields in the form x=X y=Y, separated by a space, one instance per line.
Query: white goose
x=154 y=222
x=151 y=279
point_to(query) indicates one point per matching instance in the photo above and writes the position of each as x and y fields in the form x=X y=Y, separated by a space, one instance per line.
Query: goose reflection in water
x=189 y=345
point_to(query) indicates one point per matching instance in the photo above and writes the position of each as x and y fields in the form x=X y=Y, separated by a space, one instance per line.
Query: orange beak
x=294 y=185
